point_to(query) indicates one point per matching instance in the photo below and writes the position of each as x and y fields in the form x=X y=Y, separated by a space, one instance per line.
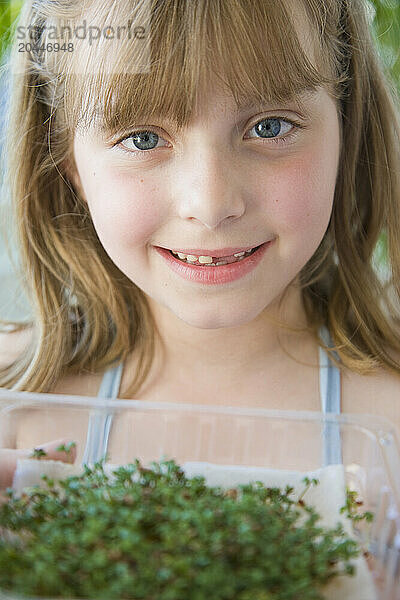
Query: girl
x=198 y=213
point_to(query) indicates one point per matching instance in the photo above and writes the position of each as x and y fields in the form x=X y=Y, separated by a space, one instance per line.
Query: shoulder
x=12 y=344
x=84 y=384
x=377 y=394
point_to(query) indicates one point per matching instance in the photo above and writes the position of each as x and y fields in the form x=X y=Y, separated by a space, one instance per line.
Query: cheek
x=125 y=210
x=300 y=194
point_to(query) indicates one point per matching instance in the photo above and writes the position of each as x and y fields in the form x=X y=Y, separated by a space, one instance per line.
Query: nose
x=208 y=188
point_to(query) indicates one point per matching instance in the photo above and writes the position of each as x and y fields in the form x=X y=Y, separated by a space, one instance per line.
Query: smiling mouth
x=211 y=261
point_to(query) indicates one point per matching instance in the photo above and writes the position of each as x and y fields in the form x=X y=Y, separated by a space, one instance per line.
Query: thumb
x=52 y=450
x=62 y=449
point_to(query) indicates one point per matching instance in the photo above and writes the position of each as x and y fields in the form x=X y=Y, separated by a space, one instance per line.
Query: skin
x=217 y=184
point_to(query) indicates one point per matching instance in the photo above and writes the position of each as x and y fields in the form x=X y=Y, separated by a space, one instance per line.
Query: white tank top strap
x=329 y=383
x=109 y=387
x=99 y=420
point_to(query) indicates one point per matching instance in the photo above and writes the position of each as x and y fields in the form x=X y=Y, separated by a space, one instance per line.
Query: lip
x=214 y=253
x=214 y=275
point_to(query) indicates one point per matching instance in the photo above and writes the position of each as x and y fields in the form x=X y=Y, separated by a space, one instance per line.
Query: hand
x=9 y=458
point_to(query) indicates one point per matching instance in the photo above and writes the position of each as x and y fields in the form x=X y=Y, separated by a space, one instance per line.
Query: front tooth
x=191 y=258
x=239 y=254
x=204 y=260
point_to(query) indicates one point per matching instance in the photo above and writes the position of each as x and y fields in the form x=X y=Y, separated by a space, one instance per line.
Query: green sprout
x=66 y=447
x=352 y=508
x=38 y=453
x=151 y=533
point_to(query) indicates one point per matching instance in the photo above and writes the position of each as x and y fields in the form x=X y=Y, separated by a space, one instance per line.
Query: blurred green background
x=386 y=29
x=8 y=12
x=384 y=17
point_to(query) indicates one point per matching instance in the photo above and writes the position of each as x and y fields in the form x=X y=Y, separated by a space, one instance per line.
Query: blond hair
x=86 y=313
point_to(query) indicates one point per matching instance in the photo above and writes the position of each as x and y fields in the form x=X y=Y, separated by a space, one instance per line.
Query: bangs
x=250 y=47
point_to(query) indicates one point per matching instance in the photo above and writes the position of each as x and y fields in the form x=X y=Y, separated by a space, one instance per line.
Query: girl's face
x=230 y=180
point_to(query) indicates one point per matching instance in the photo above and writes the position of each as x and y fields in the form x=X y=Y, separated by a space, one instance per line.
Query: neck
x=228 y=354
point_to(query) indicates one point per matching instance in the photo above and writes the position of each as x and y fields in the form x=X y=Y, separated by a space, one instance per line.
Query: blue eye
x=145 y=141
x=271 y=127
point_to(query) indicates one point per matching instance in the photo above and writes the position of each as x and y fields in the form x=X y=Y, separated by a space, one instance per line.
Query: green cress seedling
x=162 y=536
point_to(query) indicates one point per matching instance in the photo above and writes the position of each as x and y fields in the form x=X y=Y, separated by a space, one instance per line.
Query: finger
x=9 y=458
x=53 y=452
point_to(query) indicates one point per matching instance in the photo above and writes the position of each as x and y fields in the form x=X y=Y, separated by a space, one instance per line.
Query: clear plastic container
x=231 y=445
